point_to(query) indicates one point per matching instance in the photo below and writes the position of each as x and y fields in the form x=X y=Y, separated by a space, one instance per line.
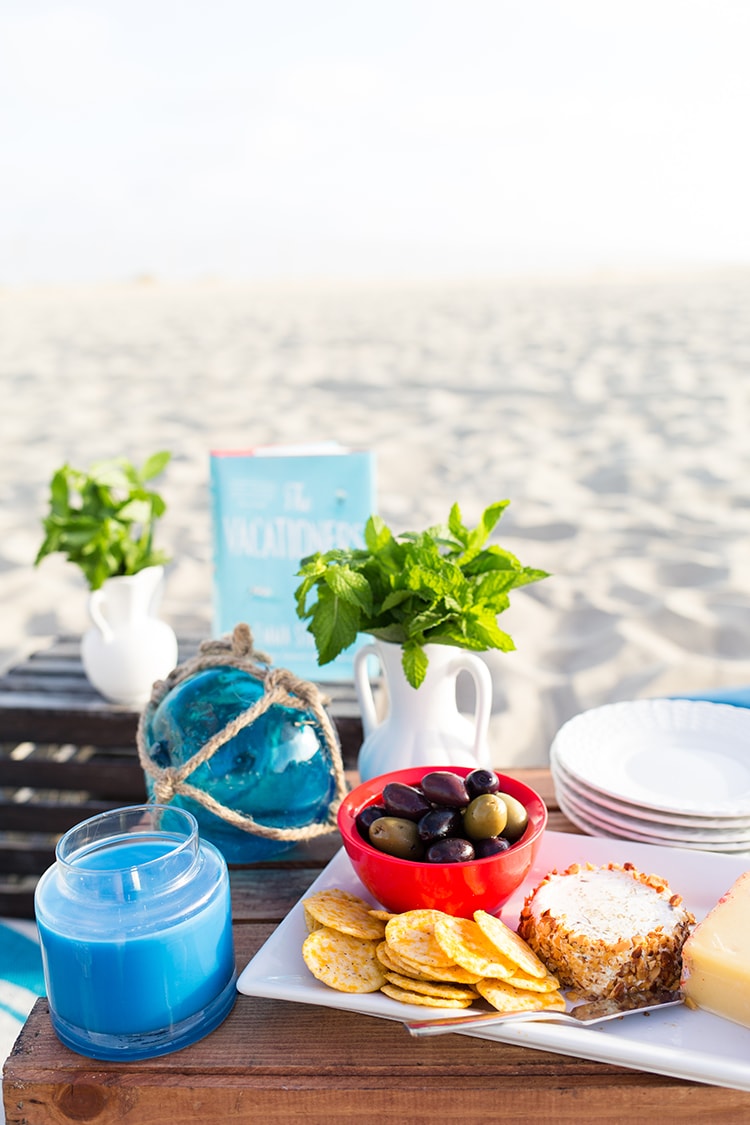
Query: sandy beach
x=612 y=411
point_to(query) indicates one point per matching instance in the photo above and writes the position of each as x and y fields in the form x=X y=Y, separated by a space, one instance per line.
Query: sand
x=612 y=412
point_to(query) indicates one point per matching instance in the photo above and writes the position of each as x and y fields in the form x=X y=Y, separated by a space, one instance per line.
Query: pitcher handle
x=480 y=674
x=96 y=601
x=364 y=687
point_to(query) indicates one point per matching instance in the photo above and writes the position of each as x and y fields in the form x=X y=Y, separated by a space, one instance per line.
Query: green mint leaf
x=482 y=627
x=456 y=526
x=396 y=598
x=377 y=535
x=135 y=511
x=334 y=624
x=350 y=586
x=396 y=634
x=414 y=662
x=155 y=464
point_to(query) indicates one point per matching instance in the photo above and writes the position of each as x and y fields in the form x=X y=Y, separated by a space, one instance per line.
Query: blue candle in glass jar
x=135 y=928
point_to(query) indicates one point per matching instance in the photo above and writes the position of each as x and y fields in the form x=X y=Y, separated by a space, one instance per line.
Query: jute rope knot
x=280 y=686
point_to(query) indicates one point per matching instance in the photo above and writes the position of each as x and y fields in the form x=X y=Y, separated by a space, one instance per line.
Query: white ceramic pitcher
x=128 y=648
x=423 y=726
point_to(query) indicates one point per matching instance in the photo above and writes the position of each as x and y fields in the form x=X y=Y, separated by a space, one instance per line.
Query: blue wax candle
x=135 y=929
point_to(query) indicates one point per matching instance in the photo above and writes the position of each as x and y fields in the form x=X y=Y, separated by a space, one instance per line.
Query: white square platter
x=679 y=1042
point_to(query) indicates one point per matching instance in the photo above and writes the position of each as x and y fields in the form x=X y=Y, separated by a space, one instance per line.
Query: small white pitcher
x=423 y=726
x=128 y=648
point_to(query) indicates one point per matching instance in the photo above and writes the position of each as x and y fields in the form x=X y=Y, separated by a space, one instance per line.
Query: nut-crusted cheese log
x=607 y=931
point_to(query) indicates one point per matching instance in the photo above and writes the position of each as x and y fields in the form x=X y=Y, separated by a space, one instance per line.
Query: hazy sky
x=370 y=138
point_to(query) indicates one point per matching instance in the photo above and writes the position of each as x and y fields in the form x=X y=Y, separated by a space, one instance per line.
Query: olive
x=453 y=849
x=397 y=837
x=485 y=816
x=518 y=818
x=445 y=788
x=482 y=781
x=490 y=845
x=365 y=818
x=404 y=801
x=438 y=823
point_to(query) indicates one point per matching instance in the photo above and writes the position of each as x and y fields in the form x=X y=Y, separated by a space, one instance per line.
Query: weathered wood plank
x=47 y=698
x=108 y=776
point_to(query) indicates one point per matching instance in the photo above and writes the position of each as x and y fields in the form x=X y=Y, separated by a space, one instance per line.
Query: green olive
x=486 y=816
x=396 y=836
x=518 y=818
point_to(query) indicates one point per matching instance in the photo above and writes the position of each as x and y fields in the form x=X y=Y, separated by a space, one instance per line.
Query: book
x=271 y=506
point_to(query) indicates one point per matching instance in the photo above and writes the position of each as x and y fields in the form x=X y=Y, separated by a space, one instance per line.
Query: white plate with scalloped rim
x=676 y=755
x=654 y=828
x=589 y=818
x=680 y=821
x=678 y=1042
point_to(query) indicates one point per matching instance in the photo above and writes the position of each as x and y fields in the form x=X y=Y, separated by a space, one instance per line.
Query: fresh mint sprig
x=103 y=520
x=444 y=585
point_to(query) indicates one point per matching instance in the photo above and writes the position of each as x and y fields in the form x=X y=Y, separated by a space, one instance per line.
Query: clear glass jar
x=135 y=926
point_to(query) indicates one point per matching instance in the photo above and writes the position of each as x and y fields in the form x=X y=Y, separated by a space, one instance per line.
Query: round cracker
x=395 y=964
x=505 y=998
x=509 y=943
x=431 y=988
x=534 y=984
x=412 y=935
x=343 y=962
x=310 y=922
x=463 y=941
x=410 y=997
x=341 y=910
x=451 y=973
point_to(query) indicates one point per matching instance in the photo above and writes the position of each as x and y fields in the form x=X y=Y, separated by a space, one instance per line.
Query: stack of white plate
x=674 y=772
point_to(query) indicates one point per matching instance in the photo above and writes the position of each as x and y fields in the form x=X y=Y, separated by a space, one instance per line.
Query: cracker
x=341 y=910
x=431 y=988
x=409 y=997
x=505 y=998
x=343 y=962
x=412 y=935
x=455 y=973
x=445 y=973
x=509 y=943
x=395 y=964
x=534 y=984
x=310 y=922
x=463 y=941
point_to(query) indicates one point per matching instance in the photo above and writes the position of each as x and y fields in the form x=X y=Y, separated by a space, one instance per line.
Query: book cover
x=271 y=506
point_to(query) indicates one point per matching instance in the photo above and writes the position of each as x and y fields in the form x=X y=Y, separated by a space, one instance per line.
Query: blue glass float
x=277 y=769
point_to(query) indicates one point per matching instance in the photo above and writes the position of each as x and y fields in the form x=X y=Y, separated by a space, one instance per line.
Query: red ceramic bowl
x=456 y=888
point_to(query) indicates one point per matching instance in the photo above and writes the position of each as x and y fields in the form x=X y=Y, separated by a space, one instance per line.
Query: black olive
x=482 y=781
x=365 y=818
x=451 y=850
x=445 y=788
x=439 y=823
x=405 y=801
x=491 y=845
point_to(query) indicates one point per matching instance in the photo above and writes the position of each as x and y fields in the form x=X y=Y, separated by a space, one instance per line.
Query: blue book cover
x=271 y=506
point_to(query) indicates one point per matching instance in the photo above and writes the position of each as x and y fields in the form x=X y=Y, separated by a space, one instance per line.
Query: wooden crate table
x=275 y=1061
x=67 y=754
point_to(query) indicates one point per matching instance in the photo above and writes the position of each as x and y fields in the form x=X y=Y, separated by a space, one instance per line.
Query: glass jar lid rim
x=77 y=857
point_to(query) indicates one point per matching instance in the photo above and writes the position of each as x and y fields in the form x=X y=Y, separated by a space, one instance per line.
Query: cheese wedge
x=716 y=957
